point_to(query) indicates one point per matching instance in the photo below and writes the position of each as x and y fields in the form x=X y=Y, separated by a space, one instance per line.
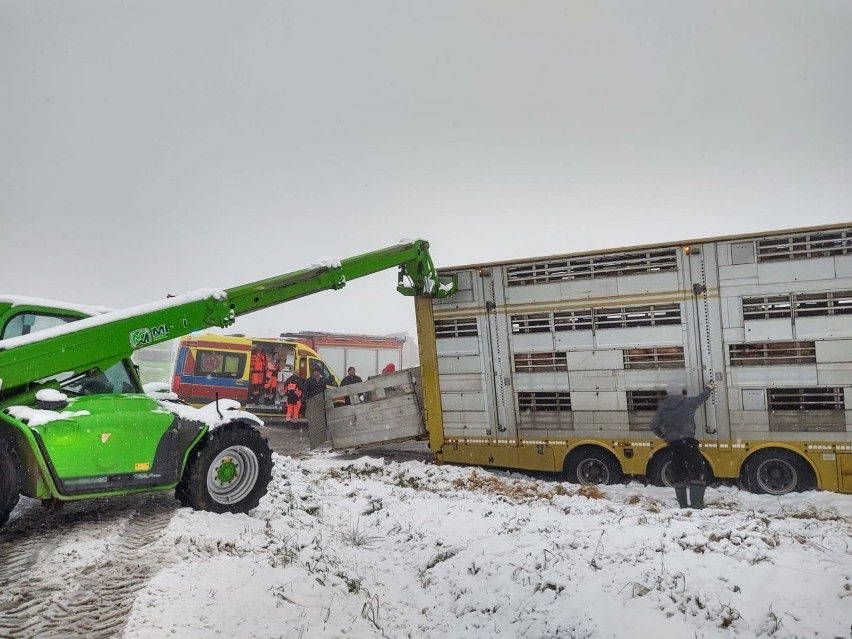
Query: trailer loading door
x=473 y=360
x=384 y=409
x=705 y=359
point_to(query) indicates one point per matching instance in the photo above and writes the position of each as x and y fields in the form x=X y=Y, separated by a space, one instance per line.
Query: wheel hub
x=227 y=471
x=777 y=477
x=233 y=474
x=593 y=472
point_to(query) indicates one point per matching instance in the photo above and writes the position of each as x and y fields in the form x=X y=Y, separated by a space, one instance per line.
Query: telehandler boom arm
x=101 y=341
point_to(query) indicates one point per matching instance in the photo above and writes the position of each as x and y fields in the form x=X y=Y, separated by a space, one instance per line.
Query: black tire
x=659 y=470
x=180 y=491
x=592 y=466
x=10 y=479
x=775 y=471
x=228 y=472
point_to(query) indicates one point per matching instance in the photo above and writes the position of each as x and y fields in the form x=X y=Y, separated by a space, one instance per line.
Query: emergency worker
x=293 y=392
x=674 y=421
x=258 y=371
x=271 y=384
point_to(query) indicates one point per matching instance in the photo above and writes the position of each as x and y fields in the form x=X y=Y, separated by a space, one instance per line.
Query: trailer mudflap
x=384 y=409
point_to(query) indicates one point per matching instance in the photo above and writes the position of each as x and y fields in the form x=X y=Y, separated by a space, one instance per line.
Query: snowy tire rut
x=75 y=572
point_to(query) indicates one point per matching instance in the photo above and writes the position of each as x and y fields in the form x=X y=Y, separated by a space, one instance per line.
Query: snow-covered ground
x=376 y=548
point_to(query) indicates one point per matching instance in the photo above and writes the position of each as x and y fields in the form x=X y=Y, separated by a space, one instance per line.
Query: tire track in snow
x=48 y=591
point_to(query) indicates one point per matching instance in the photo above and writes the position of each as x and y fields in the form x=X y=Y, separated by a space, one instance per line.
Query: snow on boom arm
x=100 y=341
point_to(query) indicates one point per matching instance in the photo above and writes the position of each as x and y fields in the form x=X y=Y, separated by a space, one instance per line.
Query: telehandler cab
x=75 y=422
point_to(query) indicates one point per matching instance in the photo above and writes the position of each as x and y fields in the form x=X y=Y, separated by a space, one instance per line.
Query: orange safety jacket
x=258 y=368
x=293 y=391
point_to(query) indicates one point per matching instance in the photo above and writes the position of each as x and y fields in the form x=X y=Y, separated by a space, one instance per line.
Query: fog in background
x=156 y=147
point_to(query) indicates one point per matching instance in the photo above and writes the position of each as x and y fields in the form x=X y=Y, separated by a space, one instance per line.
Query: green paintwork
x=227 y=471
x=99 y=342
x=121 y=435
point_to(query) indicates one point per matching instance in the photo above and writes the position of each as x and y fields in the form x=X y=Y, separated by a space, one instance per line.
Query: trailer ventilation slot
x=629 y=316
x=556 y=321
x=540 y=362
x=766 y=307
x=805 y=399
x=532 y=323
x=773 y=353
x=824 y=303
x=544 y=401
x=572 y=320
x=654 y=358
x=798 y=247
x=819 y=304
x=644 y=400
x=562 y=270
x=460 y=327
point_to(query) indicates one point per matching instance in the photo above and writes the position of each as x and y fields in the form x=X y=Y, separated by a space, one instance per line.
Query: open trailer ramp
x=384 y=409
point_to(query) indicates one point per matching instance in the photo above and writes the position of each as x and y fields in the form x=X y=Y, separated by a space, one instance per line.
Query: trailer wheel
x=659 y=470
x=775 y=471
x=589 y=465
x=228 y=472
x=10 y=479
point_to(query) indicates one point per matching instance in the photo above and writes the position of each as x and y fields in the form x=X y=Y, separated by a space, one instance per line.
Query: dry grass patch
x=592 y=492
x=520 y=490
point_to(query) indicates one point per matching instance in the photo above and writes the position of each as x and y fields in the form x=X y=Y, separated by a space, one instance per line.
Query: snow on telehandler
x=76 y=423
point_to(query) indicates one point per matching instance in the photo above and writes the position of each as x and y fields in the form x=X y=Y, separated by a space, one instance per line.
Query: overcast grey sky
x=153 y=147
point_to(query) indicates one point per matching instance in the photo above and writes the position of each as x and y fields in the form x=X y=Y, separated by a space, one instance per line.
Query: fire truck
x=558 y=363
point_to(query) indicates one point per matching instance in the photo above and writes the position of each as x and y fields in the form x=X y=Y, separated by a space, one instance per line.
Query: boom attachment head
x=418 y=277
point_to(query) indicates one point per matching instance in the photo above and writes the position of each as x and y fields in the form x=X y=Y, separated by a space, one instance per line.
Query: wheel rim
x=666 y=474
x=232 y=475
x=777 y=477
x=592 y=471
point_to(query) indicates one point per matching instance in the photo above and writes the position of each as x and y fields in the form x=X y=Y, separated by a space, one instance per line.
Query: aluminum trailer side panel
x=539 y=359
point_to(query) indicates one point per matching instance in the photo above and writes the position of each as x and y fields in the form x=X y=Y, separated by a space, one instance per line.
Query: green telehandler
x=76 y=423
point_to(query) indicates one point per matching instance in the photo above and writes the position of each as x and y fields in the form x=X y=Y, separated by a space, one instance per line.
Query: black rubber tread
x=658 y=461
x=193 y=485
x=655 y=467
x=805 y=479
x=575 y=458
x=10 y=479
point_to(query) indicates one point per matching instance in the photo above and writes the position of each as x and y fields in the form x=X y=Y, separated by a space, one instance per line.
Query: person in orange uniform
x=293 y=391
x=258 y=372
x=271 y=385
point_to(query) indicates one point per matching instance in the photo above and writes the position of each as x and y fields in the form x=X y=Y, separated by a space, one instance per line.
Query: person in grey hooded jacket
x=674 y=421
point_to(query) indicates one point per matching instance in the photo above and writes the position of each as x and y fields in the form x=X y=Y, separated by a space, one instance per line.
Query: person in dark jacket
x=315 y=384
x=674 y=421
x=351 y=377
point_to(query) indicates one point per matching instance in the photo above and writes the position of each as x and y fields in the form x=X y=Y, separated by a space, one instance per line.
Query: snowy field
x=376 y=548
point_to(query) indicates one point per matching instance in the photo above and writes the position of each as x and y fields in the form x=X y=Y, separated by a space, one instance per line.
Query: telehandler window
x=116 y=379
x=26 y=323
